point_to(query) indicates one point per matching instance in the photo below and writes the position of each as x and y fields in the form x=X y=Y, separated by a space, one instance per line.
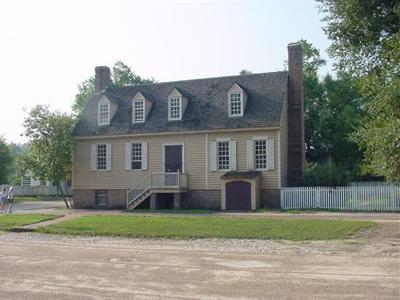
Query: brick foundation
x=193 y=199
x=202 y=199
x=86 y=199
x=270 y=198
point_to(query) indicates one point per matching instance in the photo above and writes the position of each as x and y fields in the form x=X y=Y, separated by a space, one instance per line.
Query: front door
x=172 y=163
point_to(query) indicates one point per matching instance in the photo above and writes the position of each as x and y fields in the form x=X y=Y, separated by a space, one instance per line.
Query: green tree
x=366 y=41
x=313 y=101
x=51 y=146
x=333 y=109
x=5 y=161
x=245 y=72
x=341 y=113
x=16 y=152
x=122 y=75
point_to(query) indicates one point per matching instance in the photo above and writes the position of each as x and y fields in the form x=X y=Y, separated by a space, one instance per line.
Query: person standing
x=3 y=199
x=10 y=199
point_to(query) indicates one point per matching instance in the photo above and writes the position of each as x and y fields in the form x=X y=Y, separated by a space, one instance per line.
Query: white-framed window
x=138 y=111
x=136 y=158
x=136 y=155
x=174 y=108
x=223 y=155
x=101 y=157
x=260 y=154
x=104 y=114
x=235 y=104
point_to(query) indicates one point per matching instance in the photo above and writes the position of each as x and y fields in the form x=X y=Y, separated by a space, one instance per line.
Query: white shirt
x=11 y=194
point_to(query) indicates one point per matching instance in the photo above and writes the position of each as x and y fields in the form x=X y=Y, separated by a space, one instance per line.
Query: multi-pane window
x=138 y=111
x=136 y=156
x=101 y=162
x=223 y=155
x=174 y=109
x=235 y=104
x=103 y=114
x=260 y=149
x=101 y=197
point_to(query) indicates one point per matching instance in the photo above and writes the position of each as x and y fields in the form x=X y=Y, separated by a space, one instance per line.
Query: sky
x=48 y=47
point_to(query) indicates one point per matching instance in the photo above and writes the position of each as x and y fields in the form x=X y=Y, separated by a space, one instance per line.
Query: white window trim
x=180 y=108
x=241 y=104
x=183 y=155
x=219 y=140
x=96 y=169
x=108 y=114
x=133 y=111
x=255 y=139
x=141 y=156
x=144 y=158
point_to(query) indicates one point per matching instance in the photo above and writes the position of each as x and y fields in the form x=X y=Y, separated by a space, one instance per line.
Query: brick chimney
x=296 y=146
x=102 y=78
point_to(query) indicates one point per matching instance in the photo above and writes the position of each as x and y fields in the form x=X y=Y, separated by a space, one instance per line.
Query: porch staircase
x=156 y=183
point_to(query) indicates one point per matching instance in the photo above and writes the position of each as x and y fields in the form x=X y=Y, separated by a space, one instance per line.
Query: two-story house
x=219 y=143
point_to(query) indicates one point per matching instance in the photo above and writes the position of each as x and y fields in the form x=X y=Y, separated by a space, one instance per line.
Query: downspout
x=206 y=149
x=279 y=159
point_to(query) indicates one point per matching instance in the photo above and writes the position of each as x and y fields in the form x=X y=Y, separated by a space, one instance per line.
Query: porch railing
x=158 y=180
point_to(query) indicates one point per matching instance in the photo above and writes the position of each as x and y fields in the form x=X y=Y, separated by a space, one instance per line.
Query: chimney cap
x=101 y=68
x=295 y=44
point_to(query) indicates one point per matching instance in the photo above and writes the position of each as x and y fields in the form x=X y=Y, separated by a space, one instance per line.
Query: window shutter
x=232 y=155
x=128 y=156
x=93 y=157
x=144 y=156
x=213 y=156
x=250 y=154
x=270 y=154
x=108 y=157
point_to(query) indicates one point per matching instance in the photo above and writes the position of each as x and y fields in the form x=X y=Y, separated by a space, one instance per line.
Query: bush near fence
x=347 y=198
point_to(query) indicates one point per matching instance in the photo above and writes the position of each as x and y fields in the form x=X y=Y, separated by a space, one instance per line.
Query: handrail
x=157 y=180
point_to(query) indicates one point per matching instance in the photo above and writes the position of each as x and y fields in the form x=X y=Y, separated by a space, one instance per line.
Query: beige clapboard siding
x=194 y=160
x=269 y=179
x=118 y=177
x=284 y=144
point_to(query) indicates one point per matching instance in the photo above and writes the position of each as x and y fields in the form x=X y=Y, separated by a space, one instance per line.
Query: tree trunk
x=59 y=189
x=68 y=195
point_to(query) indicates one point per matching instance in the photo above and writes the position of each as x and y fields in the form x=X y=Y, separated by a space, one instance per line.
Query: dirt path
x=37 y=266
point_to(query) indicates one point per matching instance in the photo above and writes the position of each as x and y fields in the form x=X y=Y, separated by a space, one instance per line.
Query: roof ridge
x=198 y=79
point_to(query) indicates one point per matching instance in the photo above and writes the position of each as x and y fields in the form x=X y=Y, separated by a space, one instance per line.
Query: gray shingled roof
x=207 y=108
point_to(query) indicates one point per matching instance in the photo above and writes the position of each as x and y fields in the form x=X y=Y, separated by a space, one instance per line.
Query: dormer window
x=177 y=103
x=138 y=111
x=237 y=99
x=236 y=104
x=104 y=112
x=174 y=109
x=141 y=106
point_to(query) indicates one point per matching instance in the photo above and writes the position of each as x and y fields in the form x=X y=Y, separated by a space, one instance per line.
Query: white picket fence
x=347 y=198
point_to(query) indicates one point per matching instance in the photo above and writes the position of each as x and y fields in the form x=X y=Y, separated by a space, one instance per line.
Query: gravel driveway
x=36 y=266
x=39 y=266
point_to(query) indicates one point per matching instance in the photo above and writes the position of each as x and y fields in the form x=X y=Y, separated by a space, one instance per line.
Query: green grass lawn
x=173 y=211
x=209 y=227
x=9 y=221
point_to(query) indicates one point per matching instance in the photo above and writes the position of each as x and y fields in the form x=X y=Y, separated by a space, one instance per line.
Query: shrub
x=326 y=175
